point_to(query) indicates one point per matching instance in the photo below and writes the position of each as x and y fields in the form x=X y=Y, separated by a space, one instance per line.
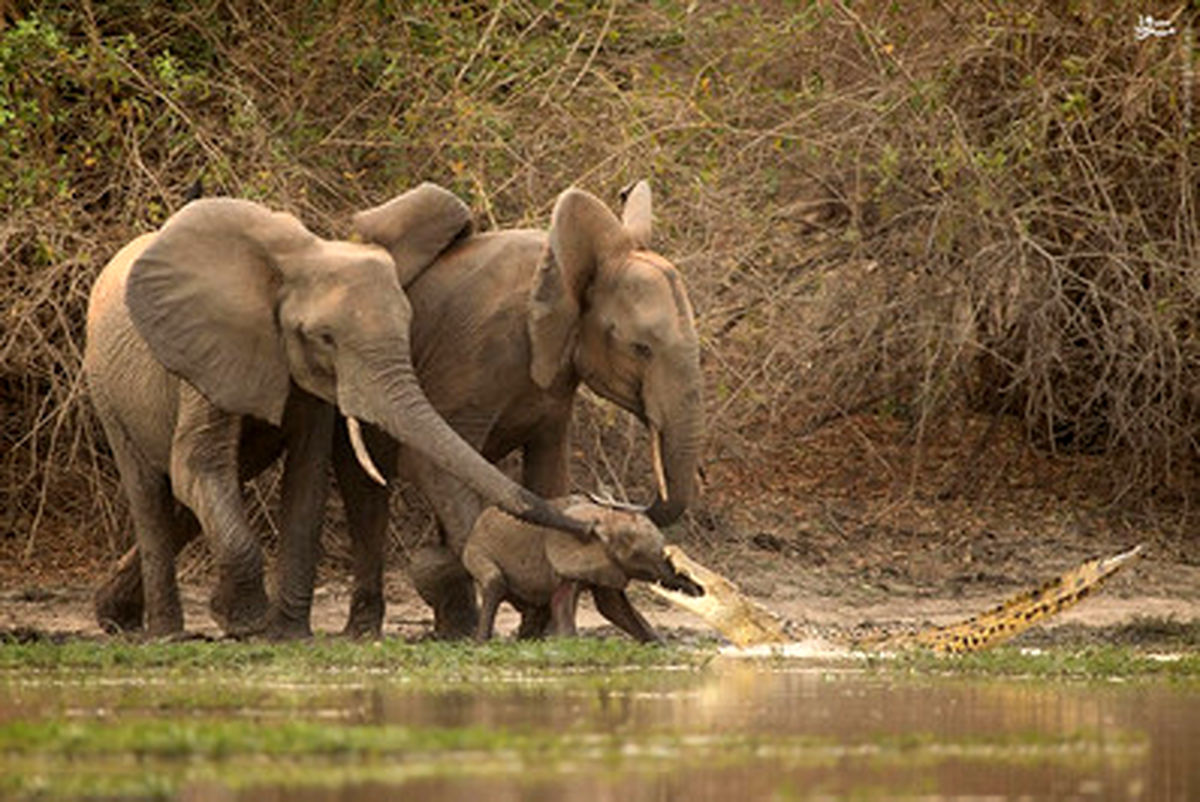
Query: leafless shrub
x=906 y=211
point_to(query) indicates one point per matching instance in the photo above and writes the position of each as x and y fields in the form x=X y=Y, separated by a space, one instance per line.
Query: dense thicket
x=910 y=210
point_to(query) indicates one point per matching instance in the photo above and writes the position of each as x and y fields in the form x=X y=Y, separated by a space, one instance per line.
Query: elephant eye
x=642 y=350
x=319 y=335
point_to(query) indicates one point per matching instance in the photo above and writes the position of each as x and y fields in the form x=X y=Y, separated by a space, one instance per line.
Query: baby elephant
x=541 y=571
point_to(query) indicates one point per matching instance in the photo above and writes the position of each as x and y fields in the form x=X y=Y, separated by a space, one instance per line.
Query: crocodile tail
x=1018 y=613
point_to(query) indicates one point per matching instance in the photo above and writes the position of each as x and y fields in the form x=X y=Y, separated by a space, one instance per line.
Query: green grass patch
x=329 y=655
x=225 y=739
x=1086 y=663
x=221 y=739
x=156 y=759
x=159 y=760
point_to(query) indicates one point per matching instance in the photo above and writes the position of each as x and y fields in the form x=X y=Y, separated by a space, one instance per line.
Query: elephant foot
x=366 y=616
x=455 y=612
x=119 y=602
x=440 y=579
x=455 y=627
x=535 y=623
x=240 y=610
x=281 y=627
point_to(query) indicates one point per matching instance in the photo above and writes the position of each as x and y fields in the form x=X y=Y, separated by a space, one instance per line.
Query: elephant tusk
x=660 y=475
x=360 y=451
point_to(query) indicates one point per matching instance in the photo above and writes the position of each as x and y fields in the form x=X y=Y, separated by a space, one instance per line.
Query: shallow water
x=734 y=730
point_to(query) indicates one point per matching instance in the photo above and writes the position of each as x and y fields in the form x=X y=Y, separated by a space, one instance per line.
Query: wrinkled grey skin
x=506 y=325
x=233 y=334
x=540 y=571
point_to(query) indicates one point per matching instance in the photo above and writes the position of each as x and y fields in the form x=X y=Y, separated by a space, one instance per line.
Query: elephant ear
x=202 y=296
x=415 y=227
x=584 y=237
x=586 y=562
x=637 y=215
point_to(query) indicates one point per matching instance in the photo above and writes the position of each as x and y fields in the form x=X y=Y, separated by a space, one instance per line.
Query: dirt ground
x=837 y=539
x=813 y=601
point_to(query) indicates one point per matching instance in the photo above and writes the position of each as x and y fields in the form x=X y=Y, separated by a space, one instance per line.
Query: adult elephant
x=506 y=325
x=232 y=334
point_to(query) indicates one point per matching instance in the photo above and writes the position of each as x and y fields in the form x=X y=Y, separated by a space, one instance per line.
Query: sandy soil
x=836 y=538
x=811 y=601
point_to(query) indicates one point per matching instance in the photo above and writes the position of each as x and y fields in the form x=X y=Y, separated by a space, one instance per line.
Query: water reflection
x=736 y=731
x=810 y=734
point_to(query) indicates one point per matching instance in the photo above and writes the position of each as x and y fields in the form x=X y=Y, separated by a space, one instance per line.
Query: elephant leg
x=366 y=505
x=204 y=477
x=456 y=507
x=545 y=459
x=492 y=591
x=442 y=581
x=150 y=505
x=145 y=578
x=152 y=520
x=614 y=605
x=562 y=608
x=535 y=621
x=545 y=467
x=308 y=424
x=119 y=603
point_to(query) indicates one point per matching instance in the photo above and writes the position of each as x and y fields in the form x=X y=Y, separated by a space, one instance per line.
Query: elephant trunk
x=678 y=452
x=393 y=401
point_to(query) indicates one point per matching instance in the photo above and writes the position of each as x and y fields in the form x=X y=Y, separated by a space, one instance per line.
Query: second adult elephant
x=506 y=325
